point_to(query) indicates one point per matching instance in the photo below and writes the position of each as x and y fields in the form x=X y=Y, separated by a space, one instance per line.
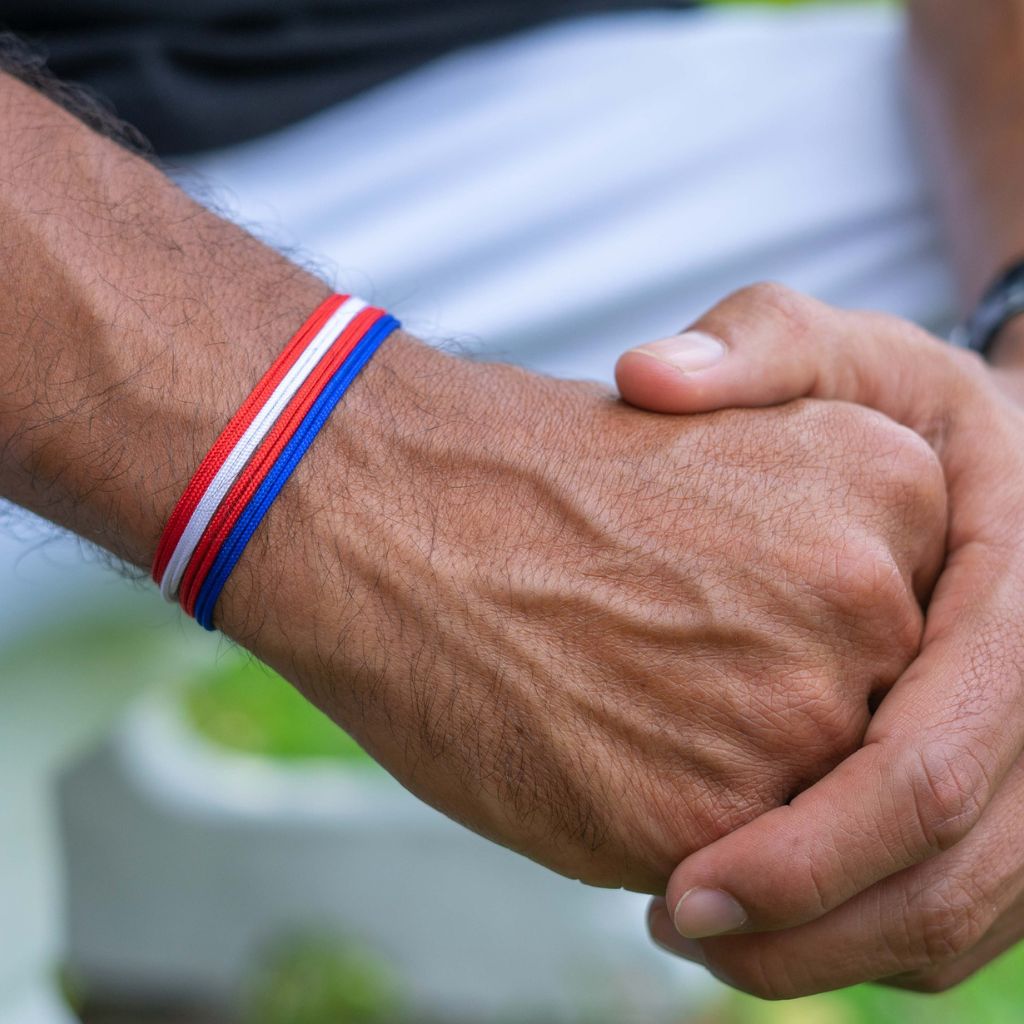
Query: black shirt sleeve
x=197 y=74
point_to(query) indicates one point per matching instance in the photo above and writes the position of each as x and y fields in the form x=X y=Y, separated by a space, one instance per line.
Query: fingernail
x=705 y=912
x=690 y=351
x=659 y=924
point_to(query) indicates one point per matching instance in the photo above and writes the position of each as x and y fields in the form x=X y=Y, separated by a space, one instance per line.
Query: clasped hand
x=905 y=862
x=628 y=644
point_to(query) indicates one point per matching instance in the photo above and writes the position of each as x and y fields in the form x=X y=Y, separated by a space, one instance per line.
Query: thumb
x=767 y=345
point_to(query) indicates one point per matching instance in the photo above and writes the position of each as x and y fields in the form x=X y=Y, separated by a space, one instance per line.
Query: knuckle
x=831 y=426
x=945 y=789
x=825 y=722
x=873 y=453
x=975 y=374
x=894 y=502
x=915 y=469
x=901 y=464
x=767 y=293
x=873 y=591
x=820 y=436
x=867 y=576
x=771 y=298
x=952 y=919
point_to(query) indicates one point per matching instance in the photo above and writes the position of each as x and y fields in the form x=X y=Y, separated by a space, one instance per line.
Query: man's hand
x=905 y=862
x=602 y=637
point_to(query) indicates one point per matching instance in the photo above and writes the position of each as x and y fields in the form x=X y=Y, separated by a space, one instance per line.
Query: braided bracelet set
x=244 y=471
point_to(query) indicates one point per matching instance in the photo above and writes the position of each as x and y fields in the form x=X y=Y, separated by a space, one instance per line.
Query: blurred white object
x=551 y=199
x=186 y=864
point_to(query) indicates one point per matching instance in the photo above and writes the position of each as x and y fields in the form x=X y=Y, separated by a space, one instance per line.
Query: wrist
x=362 y=505
x=371 y=545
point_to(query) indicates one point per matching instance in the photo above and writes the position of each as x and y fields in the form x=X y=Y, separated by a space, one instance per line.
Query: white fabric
x=622 y=172
x=553 y=198
x=251 y=439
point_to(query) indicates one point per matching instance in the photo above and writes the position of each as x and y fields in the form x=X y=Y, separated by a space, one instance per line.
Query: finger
x=950 y=729
x=936 y=922
x=767 y=345
x=663 y=934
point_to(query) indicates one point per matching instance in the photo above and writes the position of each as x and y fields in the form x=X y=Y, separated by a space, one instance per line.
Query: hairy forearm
x=968 y=64
x=133 y=323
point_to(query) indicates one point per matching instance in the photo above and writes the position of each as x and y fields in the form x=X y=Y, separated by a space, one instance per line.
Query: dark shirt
x=196 y=74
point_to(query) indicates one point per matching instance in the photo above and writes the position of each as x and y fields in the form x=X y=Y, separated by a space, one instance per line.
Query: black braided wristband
x=1003 y=302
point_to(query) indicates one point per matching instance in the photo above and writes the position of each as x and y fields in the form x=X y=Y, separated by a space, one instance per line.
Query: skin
x=905 y=863
x=601 y=637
